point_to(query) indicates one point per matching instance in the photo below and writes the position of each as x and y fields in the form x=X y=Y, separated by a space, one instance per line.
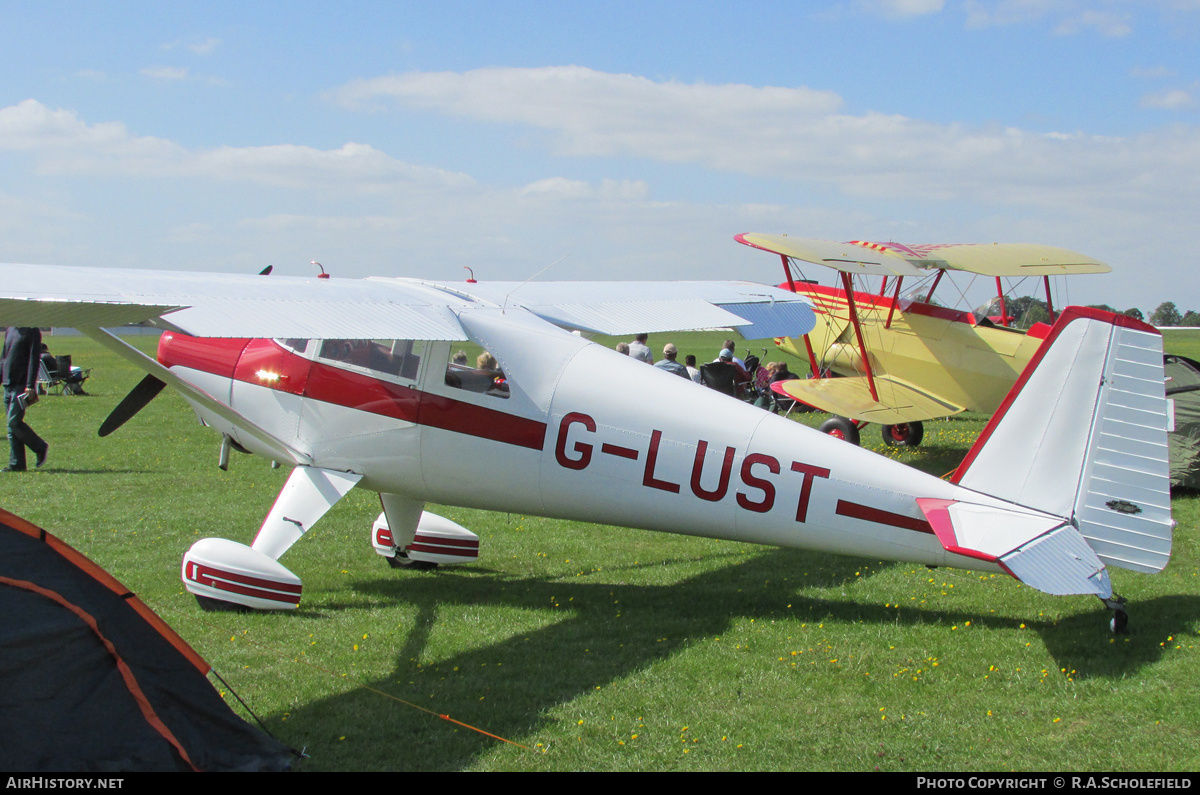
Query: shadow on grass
x=608 y=632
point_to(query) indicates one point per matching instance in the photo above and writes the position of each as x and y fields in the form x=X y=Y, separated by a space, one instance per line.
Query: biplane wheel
x=903 y=434
x=841 y=428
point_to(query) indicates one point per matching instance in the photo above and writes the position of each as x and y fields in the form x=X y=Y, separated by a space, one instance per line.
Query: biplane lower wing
x=850 y=397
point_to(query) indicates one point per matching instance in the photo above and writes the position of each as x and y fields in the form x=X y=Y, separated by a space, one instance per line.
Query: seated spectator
x=668 y=362
x=725 y=375
x=732 y=352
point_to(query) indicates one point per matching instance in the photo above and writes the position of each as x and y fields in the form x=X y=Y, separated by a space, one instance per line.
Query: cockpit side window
x=486 y=378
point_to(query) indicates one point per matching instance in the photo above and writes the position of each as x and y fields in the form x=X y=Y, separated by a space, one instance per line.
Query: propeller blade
x=134 y=402
x=266 y=271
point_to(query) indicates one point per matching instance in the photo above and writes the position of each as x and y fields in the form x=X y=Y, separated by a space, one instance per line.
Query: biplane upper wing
x=234 y=305
x=896 y=259
x=846 y=257
x=899 y=400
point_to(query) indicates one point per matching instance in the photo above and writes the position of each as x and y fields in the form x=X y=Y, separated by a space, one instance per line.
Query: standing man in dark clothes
x=22 y=348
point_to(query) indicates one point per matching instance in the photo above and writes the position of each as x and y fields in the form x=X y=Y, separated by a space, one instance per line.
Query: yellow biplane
x=903 y=357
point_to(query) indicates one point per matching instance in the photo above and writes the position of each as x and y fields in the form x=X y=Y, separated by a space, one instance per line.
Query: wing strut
x=848 y=283
x=895 y=300
x=787 y=271
x=1049 y=302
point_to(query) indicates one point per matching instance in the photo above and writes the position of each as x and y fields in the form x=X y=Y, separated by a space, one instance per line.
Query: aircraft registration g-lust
x=905 y=359
x=350 y=382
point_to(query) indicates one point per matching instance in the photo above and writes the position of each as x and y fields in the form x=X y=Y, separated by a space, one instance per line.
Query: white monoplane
x=350 y=382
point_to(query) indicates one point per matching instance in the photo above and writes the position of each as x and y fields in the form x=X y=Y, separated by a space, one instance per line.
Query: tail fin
x=1083 y=436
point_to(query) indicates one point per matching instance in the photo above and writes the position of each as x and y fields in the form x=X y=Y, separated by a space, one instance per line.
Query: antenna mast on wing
x=531 y=278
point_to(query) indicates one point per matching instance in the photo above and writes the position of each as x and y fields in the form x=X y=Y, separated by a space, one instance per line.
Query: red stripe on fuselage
x=265 y=363
x=879 y=516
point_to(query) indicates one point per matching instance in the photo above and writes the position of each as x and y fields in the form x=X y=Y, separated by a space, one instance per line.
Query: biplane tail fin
x=1083 y=436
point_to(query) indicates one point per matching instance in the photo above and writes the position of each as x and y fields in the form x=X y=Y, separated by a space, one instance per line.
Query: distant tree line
x=1165 y=315
x=1027 y=310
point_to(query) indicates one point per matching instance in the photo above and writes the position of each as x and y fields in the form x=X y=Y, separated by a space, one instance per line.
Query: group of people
x=638 y=349
x=743 y=380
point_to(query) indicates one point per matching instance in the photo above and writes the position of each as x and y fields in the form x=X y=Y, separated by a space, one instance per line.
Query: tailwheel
x=1119 y=622
x=903 y=434
x=841 y=428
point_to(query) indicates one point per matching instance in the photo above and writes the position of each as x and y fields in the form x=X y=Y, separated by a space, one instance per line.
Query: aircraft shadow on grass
x=609 y=632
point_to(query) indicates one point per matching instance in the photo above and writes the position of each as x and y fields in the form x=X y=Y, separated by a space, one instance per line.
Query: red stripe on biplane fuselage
x=832 y=299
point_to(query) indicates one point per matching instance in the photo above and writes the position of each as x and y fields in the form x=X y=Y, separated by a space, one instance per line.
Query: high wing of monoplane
x=353 y=384
x=903 y=357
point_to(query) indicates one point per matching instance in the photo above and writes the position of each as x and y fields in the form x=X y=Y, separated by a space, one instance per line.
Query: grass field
x=602 y=648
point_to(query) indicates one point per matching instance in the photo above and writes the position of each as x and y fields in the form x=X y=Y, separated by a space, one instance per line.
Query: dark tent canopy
x=91 y=680
x=1183 y=387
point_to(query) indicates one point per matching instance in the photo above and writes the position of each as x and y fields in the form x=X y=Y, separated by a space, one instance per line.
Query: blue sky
x=413 y=139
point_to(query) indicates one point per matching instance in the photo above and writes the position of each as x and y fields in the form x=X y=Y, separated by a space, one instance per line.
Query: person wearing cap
x=669 y=364
x=732 y=352
x=639 y=350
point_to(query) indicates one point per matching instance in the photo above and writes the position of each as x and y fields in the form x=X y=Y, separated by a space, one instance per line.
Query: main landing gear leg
x=395 y=530
x=410 y=537
x=1120 y=619
x=219 y=572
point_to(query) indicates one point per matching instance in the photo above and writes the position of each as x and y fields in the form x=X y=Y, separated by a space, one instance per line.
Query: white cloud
x=1169 y=99
x=798 y=134
x=64 y=144
x=981 y=14
x=204 y=47
x=596 y=106
x=899 y=9
x=165 y=73
x=1107 y=23
x=1152 y=72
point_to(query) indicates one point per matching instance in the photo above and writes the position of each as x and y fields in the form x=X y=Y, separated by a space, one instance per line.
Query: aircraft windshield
x=395 y=358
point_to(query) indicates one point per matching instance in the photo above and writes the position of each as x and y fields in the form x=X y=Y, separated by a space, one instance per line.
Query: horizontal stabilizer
x=1060 y=563
x=1039 y=550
